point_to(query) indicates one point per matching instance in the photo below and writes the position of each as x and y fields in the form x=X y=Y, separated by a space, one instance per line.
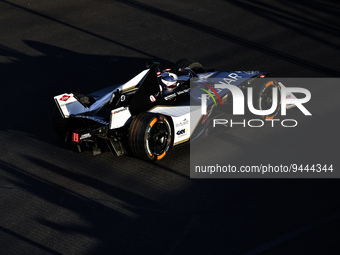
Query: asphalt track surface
x=54 y=200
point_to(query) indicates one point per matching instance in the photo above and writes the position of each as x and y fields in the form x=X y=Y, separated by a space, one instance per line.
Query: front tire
x=150 y=136
x=193 y=65
x=263 y=96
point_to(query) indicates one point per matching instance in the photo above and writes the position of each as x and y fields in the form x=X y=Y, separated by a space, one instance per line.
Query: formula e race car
x=153 y=112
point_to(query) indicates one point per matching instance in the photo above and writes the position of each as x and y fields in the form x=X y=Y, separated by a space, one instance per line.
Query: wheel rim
x=158 y=138
x=266 y=100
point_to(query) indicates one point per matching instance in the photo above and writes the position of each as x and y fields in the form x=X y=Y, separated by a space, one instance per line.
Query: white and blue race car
x=153 y=112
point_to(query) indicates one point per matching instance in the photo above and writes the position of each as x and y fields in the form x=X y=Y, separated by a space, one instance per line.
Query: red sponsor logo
x=75 y=137
x=64 y=98
x=152 y=98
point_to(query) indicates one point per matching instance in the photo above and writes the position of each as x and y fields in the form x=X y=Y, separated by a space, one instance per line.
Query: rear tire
x=150 y=136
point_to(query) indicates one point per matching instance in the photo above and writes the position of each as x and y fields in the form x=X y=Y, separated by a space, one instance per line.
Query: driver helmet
x=169 y=79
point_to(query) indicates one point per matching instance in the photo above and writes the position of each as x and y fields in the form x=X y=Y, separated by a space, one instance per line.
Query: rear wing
x=68 y=104
x=135 y=94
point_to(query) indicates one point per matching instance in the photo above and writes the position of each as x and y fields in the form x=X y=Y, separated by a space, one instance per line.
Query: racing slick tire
x=263 y=96
x=193 y=65
x=149 y=136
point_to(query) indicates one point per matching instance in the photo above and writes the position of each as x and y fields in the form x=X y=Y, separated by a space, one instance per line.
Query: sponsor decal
x=75 y=137
x=93 y=118
x=121 y=110
x=171 y=96
x=84 y=136
x=152 y=98
x=182 y=123
x=64 y=98
x=183 y=91
x=182 y=132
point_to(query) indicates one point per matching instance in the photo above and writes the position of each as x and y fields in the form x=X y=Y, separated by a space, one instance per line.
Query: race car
x=153 y=112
